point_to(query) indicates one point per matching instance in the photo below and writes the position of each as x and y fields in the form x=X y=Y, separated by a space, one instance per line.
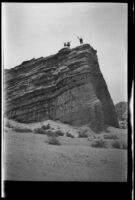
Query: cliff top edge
x=62 y=50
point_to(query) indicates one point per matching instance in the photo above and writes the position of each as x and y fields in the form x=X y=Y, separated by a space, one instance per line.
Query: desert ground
x=29 y=156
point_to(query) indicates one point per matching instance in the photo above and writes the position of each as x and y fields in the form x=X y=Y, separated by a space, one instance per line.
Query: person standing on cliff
x=65 y=45
x=68 y=44
x=80 y=40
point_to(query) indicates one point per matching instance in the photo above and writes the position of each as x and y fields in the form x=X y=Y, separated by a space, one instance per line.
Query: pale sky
x=39 y=29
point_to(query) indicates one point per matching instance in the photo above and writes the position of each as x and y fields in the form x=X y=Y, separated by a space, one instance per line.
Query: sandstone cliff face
x=67 y=86
x=121 y=110
x=122 y=114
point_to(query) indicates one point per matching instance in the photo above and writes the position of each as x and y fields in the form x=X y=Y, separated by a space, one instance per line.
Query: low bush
x=99 y=144
x=22 y=130
x=111 y=137
x=69 y=135
x=59 y=133
x=116 y=144
x=40 y=131
x=124 y=145
x=7 y=124
x=53 y=141
x=46 y=127
x=83 y=135
x=119 y=144
x=51 y=133
x=54 y=133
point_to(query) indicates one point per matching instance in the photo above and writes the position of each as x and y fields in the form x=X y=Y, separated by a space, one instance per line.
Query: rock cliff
x=67 y=86
x=122 y=113
x=121 y=110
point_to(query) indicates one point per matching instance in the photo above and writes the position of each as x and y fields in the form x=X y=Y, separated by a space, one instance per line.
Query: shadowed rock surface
x=67 y=86
x=121 y=110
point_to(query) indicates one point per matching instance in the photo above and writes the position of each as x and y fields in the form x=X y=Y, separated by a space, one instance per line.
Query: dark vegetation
x=119 y=144
x=53 y=141
x=46 y=131
x=21 y=130
x=69 y=135
x=111 y=137
x=99 y=144
x=83 y=134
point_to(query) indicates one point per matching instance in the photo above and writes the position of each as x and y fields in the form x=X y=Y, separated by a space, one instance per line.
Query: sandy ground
x=28 y=156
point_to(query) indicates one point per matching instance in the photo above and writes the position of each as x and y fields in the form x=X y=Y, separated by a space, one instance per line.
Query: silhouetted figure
x=68 y=44
x=80 y=40
x=65 y=45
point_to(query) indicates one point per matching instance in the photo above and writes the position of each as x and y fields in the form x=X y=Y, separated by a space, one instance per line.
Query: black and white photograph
x=65 y=110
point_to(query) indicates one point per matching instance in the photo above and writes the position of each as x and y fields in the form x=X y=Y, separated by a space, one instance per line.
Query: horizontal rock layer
x=67 y=86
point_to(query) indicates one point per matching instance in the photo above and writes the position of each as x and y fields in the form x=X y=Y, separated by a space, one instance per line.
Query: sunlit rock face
x=67 y=86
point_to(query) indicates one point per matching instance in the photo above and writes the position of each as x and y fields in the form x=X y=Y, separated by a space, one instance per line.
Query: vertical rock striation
x=67 y=86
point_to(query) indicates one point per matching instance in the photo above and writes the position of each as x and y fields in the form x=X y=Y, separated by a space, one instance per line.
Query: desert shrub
x=99 y=144
x=7 y=124
x=54 y=133
x=119 y=145
x=116 y=144
x=59 y=133
x=124 y=145
x=51 y=133
x=22 y=130
x=46 y=127
x=43 y=129
x=111 y=137
x=69 y=135
x=53 y=141
x=44 y=132
x=83 y=134
x=40 y=131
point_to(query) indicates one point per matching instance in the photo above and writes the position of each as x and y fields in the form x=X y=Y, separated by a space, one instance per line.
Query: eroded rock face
x=67 y=86
x=121 y=110
x=122 y=114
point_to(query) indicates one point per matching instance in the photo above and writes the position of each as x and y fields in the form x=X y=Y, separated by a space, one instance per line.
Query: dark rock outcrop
x=67 y=86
